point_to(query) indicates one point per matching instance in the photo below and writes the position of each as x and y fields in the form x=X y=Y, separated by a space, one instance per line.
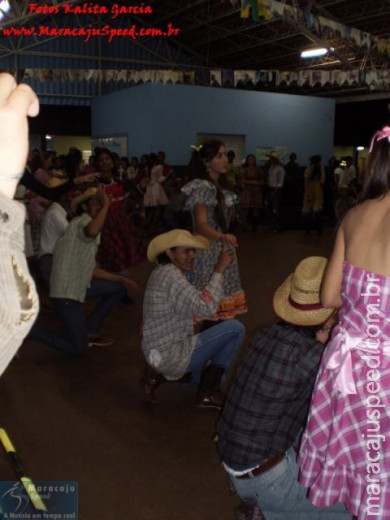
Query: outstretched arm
x=29 y=181
x=96 y=224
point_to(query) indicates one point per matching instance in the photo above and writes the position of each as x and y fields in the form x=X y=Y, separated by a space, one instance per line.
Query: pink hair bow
x=379 y=135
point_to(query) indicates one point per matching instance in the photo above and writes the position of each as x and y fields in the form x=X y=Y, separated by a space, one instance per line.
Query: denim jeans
x=219 y=345
x=281 y=497
x=77 y=324
x=273 y=207
x=45 y=263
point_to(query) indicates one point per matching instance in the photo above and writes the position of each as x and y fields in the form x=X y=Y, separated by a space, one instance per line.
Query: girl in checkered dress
x=345 y=449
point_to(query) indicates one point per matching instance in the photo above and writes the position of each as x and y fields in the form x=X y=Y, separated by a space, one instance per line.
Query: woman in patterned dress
x=313 y=198
x=211 y=209
x=121 y=244
x=345 y=449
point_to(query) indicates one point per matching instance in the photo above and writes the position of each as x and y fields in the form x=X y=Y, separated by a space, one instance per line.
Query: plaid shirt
x=170 y=305
x=270 y=396
x=73 y=261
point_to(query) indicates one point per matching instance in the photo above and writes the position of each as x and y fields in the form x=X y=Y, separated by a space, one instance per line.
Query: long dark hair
x=247 y=159
x=72 y=161
x=376 y=182
x=197 y=169
x=99 y=152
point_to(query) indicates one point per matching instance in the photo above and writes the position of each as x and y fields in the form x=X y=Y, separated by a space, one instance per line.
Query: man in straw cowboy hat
x=269 y=399
x=171 y=306
x=75 y=278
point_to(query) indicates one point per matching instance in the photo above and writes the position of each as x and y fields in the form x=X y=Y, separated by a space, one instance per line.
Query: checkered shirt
x=73 y=261
x=269 y=399
x=170 y=305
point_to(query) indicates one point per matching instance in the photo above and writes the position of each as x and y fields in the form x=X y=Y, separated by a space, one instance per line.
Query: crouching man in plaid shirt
x=171 y=307
x=267 y=406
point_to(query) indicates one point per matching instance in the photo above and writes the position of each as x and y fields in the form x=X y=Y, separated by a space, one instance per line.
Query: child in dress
x=344 y=454
x=211 y=210
x=155 y=196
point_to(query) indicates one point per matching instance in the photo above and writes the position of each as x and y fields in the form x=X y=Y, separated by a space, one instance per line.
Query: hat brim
x=53 y=182
x=168 y=240
x=285 y=311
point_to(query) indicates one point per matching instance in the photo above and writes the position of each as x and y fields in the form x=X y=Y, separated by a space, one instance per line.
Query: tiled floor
x=87 y=420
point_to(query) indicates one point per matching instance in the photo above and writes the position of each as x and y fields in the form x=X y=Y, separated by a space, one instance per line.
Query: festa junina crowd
x=302 y=430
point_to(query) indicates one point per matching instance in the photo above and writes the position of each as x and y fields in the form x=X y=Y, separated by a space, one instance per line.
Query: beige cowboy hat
x=54 y=182
x=76 y=201
x=175 y=238
x=273 y=155
x=297 y=299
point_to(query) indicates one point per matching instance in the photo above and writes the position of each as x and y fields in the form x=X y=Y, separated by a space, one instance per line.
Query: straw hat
x=53 y=182
x=87 y=194
x=175 y=238
x=297 y=299
x=273 y=155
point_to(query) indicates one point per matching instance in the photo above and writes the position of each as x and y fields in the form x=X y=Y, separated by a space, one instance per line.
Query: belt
x=263 y=467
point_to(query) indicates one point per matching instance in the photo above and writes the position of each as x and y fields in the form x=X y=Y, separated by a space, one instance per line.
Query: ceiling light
x=316 y=52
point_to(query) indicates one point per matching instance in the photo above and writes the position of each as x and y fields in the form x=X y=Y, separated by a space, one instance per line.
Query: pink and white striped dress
x=345 y=449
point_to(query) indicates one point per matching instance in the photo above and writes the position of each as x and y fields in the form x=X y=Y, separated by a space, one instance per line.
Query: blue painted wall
x=169 y=117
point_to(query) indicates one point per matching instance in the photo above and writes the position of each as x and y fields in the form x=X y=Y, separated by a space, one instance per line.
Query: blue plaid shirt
x=268 y=401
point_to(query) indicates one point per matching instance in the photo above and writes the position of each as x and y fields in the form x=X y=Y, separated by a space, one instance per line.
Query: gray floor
x=87 y=420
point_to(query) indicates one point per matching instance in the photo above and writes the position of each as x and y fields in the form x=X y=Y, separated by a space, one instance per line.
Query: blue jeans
x=77 y=324
x=273 y=206
x=281 y=497
x=45 y=263
x=219 y=345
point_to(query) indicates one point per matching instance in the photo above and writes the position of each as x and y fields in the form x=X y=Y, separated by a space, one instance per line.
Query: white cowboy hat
x=175 y=238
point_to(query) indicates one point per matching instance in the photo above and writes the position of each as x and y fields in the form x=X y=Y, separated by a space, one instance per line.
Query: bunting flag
x=324 y=27
x=255 y=11
x=245 y=79
x=245 y=8
x=256 y=8
x=263 y=10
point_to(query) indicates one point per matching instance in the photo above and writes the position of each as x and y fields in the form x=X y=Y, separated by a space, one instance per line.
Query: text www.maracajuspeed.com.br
x=86 y=33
